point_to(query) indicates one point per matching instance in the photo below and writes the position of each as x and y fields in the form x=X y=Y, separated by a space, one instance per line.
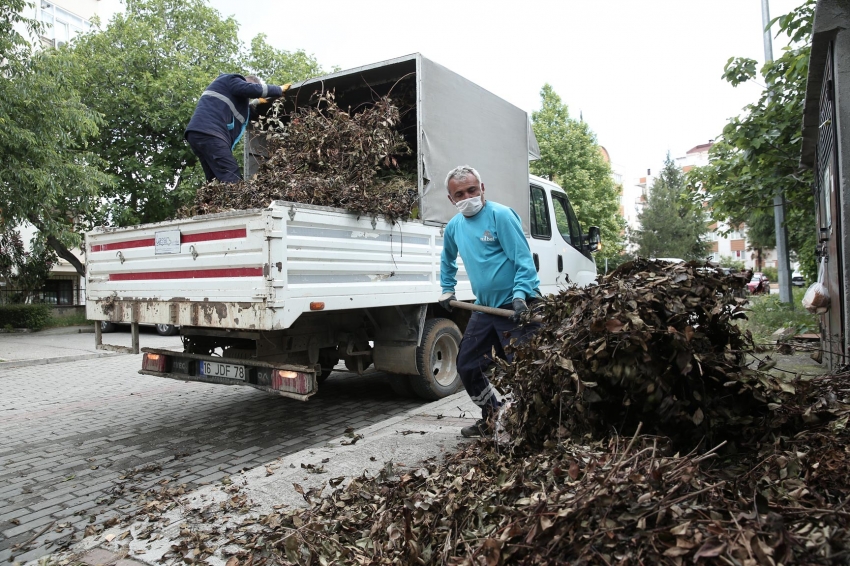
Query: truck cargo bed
x=260 y=269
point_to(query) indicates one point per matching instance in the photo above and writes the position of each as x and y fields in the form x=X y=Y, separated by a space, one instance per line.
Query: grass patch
x=767 y=315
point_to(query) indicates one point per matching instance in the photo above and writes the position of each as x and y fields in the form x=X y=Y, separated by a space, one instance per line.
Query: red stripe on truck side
x=189 y=274
x=207 y=236
x=184 y=239
x=123 y=245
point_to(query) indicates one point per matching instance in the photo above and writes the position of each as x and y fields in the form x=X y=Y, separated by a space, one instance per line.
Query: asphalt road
x=81 y=440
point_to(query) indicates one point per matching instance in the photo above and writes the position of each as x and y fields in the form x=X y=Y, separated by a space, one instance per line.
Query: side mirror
x=594 y=238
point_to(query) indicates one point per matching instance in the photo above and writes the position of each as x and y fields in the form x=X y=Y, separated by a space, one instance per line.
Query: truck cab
x=562 y=251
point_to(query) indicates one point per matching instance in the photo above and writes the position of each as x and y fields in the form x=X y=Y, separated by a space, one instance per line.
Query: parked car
x=797 y=279
x=759 y=284
x=161 y=329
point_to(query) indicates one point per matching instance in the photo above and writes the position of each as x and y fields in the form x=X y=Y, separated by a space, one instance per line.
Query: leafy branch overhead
x=757 y=156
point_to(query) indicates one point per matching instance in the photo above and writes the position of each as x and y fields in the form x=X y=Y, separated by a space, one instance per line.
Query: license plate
x=217 y=369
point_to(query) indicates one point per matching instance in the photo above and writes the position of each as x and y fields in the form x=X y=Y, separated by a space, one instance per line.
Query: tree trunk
x=60 y=248
x=66 y=254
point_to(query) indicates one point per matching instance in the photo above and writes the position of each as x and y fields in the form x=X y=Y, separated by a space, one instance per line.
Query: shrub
x=771 y=273
x=768 y=314
x=32 y=316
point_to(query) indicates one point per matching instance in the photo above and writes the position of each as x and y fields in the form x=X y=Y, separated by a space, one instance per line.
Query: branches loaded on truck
x=275 y=297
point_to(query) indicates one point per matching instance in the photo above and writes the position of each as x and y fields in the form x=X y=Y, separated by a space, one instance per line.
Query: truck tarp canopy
x=458 y=123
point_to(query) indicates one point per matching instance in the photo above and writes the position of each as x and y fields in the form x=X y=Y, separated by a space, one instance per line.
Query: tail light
x=294 y=381
x=154 y=362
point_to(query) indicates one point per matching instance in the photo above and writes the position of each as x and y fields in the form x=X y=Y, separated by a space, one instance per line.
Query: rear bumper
x=259 y=375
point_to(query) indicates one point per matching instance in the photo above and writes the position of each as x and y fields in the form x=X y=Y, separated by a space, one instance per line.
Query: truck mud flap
x=292 y=381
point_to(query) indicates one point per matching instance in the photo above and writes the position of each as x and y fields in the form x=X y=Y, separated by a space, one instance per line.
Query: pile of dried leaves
x=321 y=154
x=569 y=489
x=653 y=342
x=624 y=501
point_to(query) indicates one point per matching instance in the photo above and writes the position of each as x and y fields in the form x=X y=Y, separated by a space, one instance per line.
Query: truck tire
x=436 y=360
x=106 y=326
x=166 y=329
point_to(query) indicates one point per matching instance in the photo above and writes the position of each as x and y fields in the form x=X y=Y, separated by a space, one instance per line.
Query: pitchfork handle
x=488 y=310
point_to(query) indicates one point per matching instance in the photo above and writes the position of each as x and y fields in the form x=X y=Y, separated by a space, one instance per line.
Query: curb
x=57 y=360
x=67 y=330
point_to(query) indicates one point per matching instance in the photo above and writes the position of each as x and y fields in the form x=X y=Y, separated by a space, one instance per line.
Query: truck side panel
x=262 y=270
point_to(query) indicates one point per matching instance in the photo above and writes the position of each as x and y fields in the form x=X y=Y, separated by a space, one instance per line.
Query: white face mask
x=470 y=207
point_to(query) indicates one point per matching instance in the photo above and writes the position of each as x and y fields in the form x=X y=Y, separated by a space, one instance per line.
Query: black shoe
x=480 y=428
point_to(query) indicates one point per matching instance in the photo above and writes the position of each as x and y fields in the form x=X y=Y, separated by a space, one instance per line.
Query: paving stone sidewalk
x=79 y=441
x=406 y=440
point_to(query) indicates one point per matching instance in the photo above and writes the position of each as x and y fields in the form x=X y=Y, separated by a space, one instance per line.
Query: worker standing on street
x=220 y=120
x=497 y=258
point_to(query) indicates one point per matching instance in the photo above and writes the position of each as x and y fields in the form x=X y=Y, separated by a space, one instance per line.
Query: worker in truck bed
x=220 y=120
x=497 y=258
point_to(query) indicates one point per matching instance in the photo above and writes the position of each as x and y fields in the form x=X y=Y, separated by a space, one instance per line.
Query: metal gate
x=829 y=217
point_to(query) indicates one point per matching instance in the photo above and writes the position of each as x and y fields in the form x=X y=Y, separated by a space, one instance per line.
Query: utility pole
x=783 y=263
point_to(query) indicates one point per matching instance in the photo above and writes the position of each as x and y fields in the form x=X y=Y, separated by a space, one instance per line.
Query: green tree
x=673 y=222
x=49 y=175
x=23 y=271
x=570 y=156
x=758 y=153
x=279 y=66
x=144 y=73
x=761 y=234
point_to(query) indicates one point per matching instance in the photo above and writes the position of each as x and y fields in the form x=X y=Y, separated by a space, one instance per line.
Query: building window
x=60 y=26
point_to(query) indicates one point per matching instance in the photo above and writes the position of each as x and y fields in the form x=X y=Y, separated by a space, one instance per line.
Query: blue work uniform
x=219 y=121
x=498 y=261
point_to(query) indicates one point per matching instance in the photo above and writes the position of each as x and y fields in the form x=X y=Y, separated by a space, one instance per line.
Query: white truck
x=274 y=298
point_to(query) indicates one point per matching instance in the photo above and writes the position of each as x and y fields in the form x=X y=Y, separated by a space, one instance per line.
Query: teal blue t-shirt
x=495 y=254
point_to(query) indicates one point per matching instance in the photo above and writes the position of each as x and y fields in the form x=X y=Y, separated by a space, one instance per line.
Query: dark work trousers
x=216 y=157
x=484 y=333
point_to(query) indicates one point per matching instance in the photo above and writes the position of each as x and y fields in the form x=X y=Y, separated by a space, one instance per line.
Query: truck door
x=574 y=257
x=541 y=243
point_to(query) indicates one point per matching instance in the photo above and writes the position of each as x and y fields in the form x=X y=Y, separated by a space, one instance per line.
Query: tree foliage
x=93 y=132
x=673 y=222
x=143 y=74
x=49 y=173
x=23 y=271
x=278 y=66
x=758 y=154
x=570 y=156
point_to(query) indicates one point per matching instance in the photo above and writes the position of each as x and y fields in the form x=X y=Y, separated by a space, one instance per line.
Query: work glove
x=447 y=298
x=284 y=88
x=520 y=308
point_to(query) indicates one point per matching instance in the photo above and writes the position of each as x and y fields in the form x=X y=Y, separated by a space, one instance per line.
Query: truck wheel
x=166 y=329
x=106 y=326
x=436 y=360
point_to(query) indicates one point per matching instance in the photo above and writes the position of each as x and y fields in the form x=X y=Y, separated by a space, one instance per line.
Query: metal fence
x=59 y=293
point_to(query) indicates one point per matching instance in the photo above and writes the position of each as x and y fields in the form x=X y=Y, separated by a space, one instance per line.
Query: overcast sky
x=645 y=74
